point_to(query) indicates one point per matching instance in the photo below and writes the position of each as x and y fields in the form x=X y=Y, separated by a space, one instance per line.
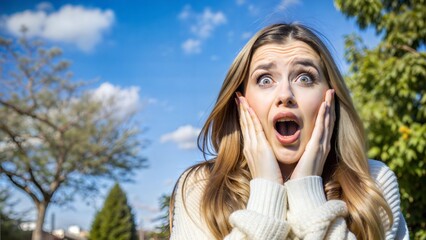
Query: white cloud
x=240 y=2
x=152 y=101
x=149 y=101
x=253 y=10
x=44 y=6
x=33 y=21
x=284 y=4
x=191 y=46
x=184 y=136
x=202 y=26
x=71 y=24
x=185 y=13
x=246 y=35
x=207 y=22
x=117 y=100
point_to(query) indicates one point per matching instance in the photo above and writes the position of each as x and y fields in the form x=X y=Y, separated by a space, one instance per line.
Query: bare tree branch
x=11 y=176
x=36 y=183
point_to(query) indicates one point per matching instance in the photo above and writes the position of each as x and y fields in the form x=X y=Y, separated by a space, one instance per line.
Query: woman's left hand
x=316 y=151
x=257 y=150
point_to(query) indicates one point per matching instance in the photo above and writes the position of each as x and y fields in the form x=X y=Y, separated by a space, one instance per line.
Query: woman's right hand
x=257 y=151
x=315 y=155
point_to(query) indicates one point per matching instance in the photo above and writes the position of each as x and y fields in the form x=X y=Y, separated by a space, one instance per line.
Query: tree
x=56 y=139
x=388 y=83
x=115 y=220
x=9 y=219
x=164 y=219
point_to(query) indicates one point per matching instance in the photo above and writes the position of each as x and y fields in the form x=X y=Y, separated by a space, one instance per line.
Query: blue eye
x=305 y=79
x=264 y=81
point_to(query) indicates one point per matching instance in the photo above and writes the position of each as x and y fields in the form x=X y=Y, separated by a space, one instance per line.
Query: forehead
x=287 y=52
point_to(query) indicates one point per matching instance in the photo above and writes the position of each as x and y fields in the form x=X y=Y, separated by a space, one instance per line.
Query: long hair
x=346 y=173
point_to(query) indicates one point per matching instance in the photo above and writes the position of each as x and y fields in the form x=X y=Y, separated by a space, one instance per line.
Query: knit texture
x=296 y=210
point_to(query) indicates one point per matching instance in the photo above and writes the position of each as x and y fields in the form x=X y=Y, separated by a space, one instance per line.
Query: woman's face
x=285 y=88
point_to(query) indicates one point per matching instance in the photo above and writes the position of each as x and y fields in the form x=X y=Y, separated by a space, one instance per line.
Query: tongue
x=291 y=128
x=287 y=128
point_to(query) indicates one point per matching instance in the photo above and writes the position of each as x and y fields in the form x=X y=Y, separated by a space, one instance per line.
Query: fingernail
x=238 y=94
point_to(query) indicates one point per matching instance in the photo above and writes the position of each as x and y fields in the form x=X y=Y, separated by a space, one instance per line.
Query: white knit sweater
x=296 y=210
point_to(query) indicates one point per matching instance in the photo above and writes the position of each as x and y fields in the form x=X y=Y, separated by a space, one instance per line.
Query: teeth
x=285 y=120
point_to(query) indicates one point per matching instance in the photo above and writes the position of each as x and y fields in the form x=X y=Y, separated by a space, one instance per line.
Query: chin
x=288 y=156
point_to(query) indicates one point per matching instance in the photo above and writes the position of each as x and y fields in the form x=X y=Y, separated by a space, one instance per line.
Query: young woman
x=290 y=158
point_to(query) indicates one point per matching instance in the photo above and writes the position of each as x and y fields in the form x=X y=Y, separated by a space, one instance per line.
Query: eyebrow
x=265 y=66
x=307 y=63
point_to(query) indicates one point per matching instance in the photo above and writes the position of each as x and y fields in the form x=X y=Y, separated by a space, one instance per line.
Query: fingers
x=256 y=123
x=243 y=119
x=248 y=132
x=331 y=115
x=328 y=122
x=318 y=147
x=318 y=131
x=251 y=120
x=324 y=123
x=257 y=151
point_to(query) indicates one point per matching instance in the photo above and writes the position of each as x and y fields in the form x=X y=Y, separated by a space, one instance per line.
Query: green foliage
x=156 y=236
x=10 y=220
x=388 y=83
x=164 y=227
x=115 y=221
x=56 y=138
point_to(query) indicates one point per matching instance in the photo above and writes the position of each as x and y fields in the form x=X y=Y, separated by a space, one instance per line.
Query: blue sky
x=165 y=58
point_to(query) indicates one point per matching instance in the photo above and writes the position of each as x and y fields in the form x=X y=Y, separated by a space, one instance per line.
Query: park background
x=165 y=61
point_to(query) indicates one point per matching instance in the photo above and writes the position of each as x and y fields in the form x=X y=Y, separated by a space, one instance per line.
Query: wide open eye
x=305 y=79
x=264 y=81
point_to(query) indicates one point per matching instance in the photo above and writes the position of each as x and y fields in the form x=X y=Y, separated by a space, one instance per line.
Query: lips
x=287 y=127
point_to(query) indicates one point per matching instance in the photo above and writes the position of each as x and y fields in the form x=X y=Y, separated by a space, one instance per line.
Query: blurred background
x=106 y=98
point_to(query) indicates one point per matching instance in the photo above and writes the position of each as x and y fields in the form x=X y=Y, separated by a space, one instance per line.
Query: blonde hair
x=346 y=173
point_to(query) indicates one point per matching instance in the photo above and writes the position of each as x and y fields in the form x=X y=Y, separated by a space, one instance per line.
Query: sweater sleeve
x=388 y=183
x=262 y=219
x=310 y=215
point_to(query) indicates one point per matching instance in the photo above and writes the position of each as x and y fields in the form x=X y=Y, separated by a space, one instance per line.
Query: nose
x=285 y=96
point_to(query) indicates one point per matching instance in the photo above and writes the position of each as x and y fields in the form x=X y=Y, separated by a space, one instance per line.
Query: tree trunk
x=41 y=214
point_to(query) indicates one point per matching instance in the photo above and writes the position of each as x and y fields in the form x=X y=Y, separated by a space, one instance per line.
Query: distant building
x=74 y=232
x=28 y=226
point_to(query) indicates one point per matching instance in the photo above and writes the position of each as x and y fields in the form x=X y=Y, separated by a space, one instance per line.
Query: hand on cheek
x=257 y=150
x=317 y=149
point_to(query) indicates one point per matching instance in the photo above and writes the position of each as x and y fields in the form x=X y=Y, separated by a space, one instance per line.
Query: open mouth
x=286 y=127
